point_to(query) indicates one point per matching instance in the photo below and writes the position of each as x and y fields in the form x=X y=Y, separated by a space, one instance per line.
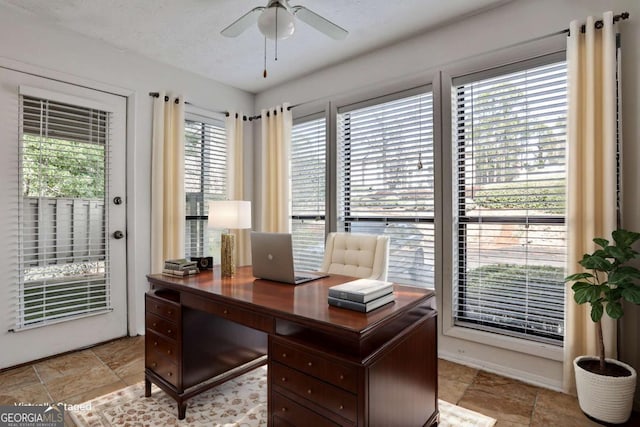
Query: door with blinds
x=63 y=261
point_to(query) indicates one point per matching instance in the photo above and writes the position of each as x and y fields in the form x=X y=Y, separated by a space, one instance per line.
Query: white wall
x=418 y=58
x=31 y=44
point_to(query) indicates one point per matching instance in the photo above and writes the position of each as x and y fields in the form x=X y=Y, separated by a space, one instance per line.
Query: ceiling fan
x=276 y=21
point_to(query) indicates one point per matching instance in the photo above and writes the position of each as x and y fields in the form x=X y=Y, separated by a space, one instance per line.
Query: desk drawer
x=162 y=366
x=329 y=370
x=161 y=326
x=230 y=312
x=162 y=346
x=164 y=308
x=288 y=413
x=334 y=399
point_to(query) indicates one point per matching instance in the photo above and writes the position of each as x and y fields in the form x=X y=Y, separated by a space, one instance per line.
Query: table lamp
x=229 y=214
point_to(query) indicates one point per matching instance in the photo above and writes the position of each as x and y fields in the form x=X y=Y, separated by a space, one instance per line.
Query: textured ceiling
x=186 y=33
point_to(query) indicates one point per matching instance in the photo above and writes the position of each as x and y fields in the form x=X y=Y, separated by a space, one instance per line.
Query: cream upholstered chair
x=359 y=255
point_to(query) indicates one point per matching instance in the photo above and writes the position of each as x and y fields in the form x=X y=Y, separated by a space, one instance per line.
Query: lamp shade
x=276 y=22
x=232 y=214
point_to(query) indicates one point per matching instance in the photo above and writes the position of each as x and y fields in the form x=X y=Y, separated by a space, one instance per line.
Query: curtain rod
x=599 y=24
x=226 y=113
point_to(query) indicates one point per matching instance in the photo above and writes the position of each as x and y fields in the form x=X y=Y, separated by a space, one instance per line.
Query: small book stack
x=361 y=295
x=180 y=267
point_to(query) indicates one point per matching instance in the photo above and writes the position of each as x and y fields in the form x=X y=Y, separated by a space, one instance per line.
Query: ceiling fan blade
x=242 y=23
x=319 y=23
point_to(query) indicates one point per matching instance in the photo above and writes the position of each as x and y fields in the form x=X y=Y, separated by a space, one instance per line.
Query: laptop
x=272 y=258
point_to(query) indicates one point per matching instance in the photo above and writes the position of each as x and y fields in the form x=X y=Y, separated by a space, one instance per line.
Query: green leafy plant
x=609 y=280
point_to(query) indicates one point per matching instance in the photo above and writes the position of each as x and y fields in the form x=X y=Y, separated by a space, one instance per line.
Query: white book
x=361 y=290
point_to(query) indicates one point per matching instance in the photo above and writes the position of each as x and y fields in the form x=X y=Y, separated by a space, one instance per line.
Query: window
x=386 y=179
x=63 y=256
x=509 y=165
x=308 y=182
x=205 y=175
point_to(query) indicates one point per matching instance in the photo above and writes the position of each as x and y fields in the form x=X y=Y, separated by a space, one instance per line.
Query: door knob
x=117 y=200
x=118 y=234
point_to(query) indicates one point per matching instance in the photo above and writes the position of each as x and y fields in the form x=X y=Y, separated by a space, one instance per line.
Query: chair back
x=360 y=255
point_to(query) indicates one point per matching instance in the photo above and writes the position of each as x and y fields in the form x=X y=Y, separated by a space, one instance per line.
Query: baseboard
x=494 y=368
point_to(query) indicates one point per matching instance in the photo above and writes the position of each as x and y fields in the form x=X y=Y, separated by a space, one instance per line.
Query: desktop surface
x=306 y=301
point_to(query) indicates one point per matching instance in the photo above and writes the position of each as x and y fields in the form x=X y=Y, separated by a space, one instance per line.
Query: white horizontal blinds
x=308 y=182
x=510 y=136
x=64 y=254
x=205 y=175
x=386 y=179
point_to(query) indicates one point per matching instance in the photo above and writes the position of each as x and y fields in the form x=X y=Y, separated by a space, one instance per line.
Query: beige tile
x=120 y=353
x=64 y=387
x=133 y=379
x=451 y=390
x=558 y=404
x=456 y=372
x=18 y=378
x=508 y=401
x=70 y=364
x=34 y=393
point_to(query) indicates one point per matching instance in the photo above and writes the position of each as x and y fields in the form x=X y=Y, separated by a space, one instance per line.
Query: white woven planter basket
x=605 y=398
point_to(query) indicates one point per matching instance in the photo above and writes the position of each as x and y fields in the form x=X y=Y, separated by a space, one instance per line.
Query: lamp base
x=227 y=259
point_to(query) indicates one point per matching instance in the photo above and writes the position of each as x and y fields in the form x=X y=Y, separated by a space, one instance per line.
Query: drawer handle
x=283 y=409
x=341 y=376
x=310 y=363
x=170 y=374
x=154 y=364
x=284 y=379
x=308 y=391
x=155 y=324
x=168 y=331
x=169 y=312
x=225 y=311
x=168 y=351
x=284 y=354
x=155 y=343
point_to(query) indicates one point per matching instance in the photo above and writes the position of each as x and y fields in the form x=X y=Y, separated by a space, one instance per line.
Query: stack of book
x=180 y=267
x=361 y=295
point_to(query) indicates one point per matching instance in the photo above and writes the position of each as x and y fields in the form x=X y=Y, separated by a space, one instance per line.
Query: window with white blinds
x=63 y=247
x=205 y=175
x=386 y=179
x=509 y=161
x=308 y=182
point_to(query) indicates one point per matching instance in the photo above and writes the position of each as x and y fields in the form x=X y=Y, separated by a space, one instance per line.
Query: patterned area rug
x=241 y=402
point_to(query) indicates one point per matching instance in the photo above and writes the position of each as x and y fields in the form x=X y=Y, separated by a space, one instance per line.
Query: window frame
x=396 y=94
x=301 y=261
x=506 y=60
x=204 y=118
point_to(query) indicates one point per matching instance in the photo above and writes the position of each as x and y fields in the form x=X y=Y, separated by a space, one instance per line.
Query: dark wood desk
x=326 y=365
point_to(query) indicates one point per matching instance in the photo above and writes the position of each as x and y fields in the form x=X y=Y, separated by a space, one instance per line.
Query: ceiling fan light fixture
x=276 y=22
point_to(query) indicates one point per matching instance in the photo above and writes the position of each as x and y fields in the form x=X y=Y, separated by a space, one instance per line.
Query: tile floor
x=83 y=375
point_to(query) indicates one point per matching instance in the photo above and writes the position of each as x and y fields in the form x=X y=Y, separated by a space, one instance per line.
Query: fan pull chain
x=264 y=73
x=276 y=51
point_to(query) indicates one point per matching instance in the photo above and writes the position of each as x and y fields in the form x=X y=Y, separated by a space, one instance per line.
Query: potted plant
x=606 y=386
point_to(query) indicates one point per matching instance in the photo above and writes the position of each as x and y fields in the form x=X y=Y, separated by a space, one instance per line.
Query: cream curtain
x=234 y=124
x=276 y=147
x=167 y=181
x=591 y=203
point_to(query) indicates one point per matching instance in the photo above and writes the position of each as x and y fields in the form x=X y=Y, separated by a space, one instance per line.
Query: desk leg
x=182 y=410
x=147 y=387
